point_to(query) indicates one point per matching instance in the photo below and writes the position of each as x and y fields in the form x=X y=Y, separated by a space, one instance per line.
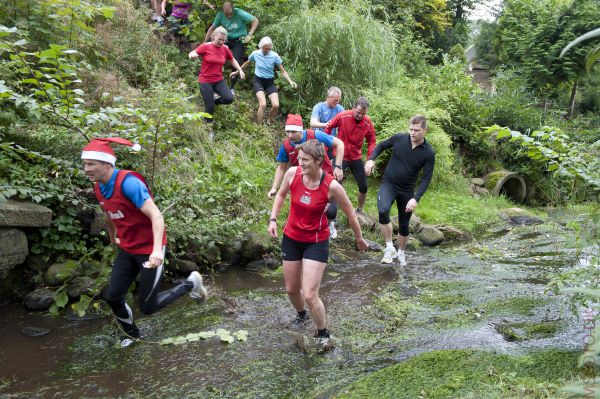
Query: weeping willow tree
x=336 y=43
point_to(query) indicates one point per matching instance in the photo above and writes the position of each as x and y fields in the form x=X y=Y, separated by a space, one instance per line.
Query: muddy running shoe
x=332 y=231
x=389 y=254
x=300 y=321
x=401 y=258
x=198 y=291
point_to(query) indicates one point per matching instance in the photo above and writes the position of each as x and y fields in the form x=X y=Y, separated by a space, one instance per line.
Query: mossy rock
x=58 y=273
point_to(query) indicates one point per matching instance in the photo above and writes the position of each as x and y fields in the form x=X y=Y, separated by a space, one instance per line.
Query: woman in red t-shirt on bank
x=212 y=84
x=305 y=243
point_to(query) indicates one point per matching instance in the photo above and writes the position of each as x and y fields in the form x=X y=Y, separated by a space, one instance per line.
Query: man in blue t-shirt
x=324 y=111
x=234 y=20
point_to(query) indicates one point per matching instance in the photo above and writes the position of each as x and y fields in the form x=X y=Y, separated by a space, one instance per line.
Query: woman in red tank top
x=305 y=243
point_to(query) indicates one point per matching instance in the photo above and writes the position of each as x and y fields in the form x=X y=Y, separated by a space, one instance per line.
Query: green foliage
x=129 y=46
x=512 y=104
x=593 y=55
x=457 y=53
x=484 y=45
x=568 y=161
x=224 y=336
x=365 y=52
x=64 y=22
x=468 y=374
x=530 y=36
x=459 y=209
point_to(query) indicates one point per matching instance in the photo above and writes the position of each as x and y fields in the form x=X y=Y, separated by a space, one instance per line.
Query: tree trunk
x=572 y=100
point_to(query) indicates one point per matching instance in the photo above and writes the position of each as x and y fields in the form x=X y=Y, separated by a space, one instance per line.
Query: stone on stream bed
x=82 y=285
x=57 y=273
x=35 y=331
x=430 y=236
x=40 y=299
x=520 y=216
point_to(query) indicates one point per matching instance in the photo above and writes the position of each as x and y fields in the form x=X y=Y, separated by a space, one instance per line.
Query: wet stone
x=182 y=266
x=82 y=285
x=40 y=299
x=373 y=246
x=366 y=222
x=24 y=214
x=35 y=331
x=13 y=249
x=431 y=236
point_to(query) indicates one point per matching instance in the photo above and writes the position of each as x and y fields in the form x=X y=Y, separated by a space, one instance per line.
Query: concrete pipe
x=504 y=182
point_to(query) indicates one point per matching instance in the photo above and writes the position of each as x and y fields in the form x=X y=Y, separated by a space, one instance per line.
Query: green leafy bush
x=336 y=44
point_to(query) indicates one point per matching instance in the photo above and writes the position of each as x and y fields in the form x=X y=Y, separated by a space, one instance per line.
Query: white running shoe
x=232 y=92
x=216 y=96
x=389 y=254
x=198 y=291
x=401 y=258
x=332 y=231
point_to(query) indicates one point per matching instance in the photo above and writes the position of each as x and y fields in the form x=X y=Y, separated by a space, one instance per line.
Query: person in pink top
x=214 y=54
x=305 y=243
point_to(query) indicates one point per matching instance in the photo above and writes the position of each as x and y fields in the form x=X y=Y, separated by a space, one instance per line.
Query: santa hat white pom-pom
x=136 y=147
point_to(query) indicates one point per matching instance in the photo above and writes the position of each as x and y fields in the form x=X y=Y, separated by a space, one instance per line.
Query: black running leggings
x=124 y=271
x=237 y=49
x=386 y=197
x=208 y=91
x=358 y=171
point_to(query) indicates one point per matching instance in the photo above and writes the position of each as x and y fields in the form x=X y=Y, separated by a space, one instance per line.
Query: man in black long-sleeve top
x=410 y=154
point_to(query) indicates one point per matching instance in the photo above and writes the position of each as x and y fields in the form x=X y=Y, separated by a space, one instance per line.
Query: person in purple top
x=178 y=19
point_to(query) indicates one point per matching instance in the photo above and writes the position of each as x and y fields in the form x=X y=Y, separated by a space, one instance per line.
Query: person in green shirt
x=235 y=21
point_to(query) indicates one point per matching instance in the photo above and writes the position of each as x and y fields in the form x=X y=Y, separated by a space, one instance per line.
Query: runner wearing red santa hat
x=136 y=226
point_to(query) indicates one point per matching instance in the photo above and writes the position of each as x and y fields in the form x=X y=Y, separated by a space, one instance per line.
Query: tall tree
x=531 y=34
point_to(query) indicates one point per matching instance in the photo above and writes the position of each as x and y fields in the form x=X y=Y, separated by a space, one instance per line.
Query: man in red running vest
x=288 y=156
x=137 y=226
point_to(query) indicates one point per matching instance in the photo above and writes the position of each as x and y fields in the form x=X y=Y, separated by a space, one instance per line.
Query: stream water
x=458 y=296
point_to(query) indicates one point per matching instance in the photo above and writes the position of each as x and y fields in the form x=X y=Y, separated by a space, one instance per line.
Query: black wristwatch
x=272 y=220
x=336 y=166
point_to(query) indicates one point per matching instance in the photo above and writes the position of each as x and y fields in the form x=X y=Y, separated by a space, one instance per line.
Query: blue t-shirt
x=265 y=64
x=324 y=114
x=133 y=188
x=320 y=136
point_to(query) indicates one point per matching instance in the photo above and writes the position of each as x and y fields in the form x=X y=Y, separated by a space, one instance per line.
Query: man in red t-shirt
x=136 y=226
x=354 y=128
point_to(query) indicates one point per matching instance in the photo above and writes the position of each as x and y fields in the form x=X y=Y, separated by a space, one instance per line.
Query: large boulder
x=262 y=264
x=40 y=299
x=231 y=252
x=366 y=221
x=82 y=285
x=430 y=236
x=58 y=273
x=36 y=263
x=252 y=247
x=13 y=249
x=24 y=214
x=182 y=266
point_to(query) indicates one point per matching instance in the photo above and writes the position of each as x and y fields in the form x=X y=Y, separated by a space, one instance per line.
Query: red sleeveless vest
x=293 y=154
x=307 y=221
x=134 y=229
